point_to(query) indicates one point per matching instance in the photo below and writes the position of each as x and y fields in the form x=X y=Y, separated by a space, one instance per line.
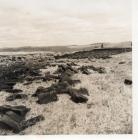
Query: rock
x=31 y=122
x=83 y=91
x=6 y=85
x=15 y=122
x=77 y=95
x=73 y=82
x=65 y=77
x=40 y=90
x=31 y=79
x=45 y=98
x=6 y=122
x=66 y=68
x=15 y=72
x=27 y=83
x=20 y=110
x=68 y=72
x=84 y=69
x=72 y=64
x=123 y=62
x=16 y=96
x=15 y=116
x=12 y=116
x=46 y=95
x=59 y=88
x=105 y=57
x=13 y=90
x=49 y=77
x=104 y=53
x=34 y=72
x=78 y=98
x=99 y=69
x=128 y=82
x=63 y=86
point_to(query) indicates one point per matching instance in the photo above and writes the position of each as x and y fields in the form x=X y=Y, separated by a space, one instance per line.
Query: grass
x=108 y=110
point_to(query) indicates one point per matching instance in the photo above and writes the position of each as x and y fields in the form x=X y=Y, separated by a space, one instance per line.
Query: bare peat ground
x=109 y=106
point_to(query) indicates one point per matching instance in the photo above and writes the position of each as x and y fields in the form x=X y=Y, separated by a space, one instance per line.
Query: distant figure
x=102 y=45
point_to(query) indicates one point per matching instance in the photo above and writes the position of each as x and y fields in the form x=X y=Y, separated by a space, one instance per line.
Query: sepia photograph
x=65 y=67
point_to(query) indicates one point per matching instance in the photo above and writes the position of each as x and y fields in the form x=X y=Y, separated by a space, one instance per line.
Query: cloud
x=52 y=22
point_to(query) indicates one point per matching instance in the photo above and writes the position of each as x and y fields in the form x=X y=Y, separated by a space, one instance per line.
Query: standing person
x=102 y=45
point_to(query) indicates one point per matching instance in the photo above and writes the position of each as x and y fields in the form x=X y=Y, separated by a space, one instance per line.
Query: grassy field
x=109 y=106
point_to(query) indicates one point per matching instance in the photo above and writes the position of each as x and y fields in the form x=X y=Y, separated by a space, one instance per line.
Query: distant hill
x=70 y=48
x=31 y=49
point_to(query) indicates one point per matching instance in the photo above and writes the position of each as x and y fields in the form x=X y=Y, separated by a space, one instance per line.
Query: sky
x=63 y=22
